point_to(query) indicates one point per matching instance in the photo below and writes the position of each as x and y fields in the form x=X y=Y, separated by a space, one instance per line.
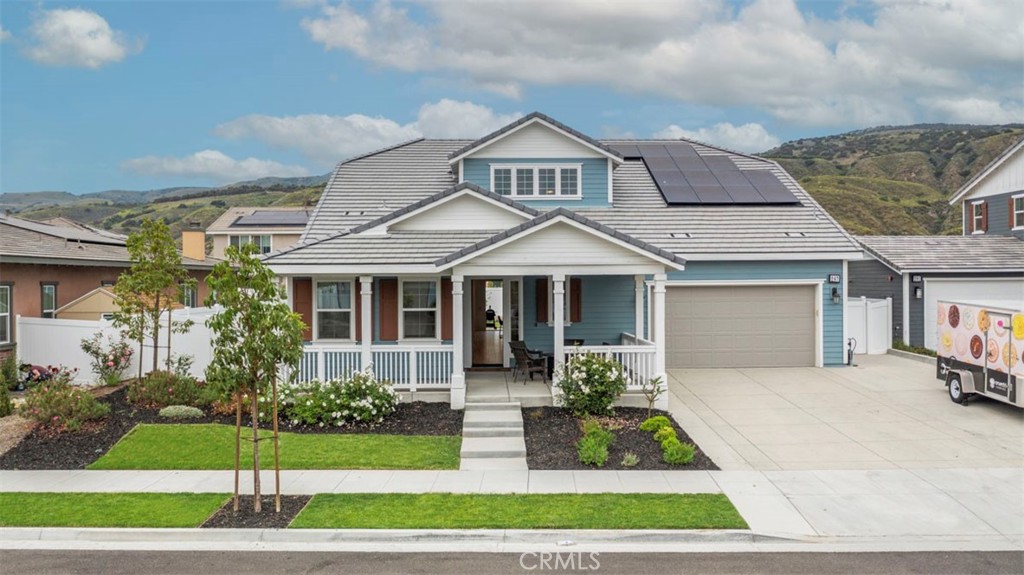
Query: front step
x=492 y=447
x=493 y=418
x=492 y=432
x=491 y=406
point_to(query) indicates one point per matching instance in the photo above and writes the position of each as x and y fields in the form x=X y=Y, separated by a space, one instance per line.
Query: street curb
x=912 y=356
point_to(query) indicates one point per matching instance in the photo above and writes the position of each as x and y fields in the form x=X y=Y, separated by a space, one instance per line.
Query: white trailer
x=980 y=349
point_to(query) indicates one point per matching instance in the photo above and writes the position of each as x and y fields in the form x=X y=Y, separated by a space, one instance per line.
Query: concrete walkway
x=922 y=503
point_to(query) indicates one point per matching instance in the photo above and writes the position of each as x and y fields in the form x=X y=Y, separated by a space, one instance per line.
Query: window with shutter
x=542 y=300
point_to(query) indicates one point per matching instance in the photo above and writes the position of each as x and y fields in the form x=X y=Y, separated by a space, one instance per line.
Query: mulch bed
x=245 y=518
x=551 y=434
x=45 y=449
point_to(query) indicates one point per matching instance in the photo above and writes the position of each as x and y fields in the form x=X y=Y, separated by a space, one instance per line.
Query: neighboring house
x=992 y=202
x=918 y=271
x=665 y=253
x=62 y=270
x=272 y=229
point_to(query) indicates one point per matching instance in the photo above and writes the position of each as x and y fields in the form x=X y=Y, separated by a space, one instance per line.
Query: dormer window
x=978 y=217
x=543 y=181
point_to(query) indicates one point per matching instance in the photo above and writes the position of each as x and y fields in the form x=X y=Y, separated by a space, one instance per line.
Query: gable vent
x=796 y=235
x=681 y=235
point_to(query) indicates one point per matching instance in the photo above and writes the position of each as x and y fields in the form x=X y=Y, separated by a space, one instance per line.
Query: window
x=48 y=297
x=542 y=181
x=1018 y=212
x=334 y=310
x=419 y=310
x=978 y=217
x=5 y=314
x=189 y=295
x=263 y=242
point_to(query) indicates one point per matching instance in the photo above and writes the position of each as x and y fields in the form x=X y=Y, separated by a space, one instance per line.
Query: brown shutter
x=969 y=210
x=446 y=308
x=542 y=300
x=302 y=304
x=984 y=216
x=1009 y=208
x=358 y=303
x=575 y=300
x=388 y=309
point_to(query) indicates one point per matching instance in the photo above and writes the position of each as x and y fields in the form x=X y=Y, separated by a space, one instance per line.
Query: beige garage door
x=748 y=326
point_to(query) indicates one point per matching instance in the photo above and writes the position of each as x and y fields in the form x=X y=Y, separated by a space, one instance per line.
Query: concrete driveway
x=886 y=413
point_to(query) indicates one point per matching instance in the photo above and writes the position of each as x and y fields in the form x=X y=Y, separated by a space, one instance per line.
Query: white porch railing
x=406 y=366
x=637 y=356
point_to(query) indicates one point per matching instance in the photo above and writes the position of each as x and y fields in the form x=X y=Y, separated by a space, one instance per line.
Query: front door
x=486 y=319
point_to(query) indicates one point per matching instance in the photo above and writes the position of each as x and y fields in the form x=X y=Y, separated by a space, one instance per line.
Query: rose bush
x=591 y=383
x=110 y=358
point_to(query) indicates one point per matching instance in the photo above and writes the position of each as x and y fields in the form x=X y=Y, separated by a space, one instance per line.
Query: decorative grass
x=108 y=509
x=212 y=446
x=534 y=511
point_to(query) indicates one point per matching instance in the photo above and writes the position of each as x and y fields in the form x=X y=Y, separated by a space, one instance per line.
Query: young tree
x=151 y=287
x=254 y=336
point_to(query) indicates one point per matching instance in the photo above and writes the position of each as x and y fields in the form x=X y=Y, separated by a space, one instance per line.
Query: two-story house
x=664 y=253
x=272 y=229
x=985 y=264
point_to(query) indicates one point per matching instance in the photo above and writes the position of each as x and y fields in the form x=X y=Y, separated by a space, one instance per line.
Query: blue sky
x=141 y=95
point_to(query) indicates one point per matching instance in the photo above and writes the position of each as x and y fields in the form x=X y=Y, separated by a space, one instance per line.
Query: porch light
x=835 y=295
x=918 y=294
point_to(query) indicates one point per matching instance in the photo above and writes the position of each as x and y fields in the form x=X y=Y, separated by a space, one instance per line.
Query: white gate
x=870 y=324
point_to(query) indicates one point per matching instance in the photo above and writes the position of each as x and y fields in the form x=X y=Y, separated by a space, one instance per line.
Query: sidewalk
x=969 y=504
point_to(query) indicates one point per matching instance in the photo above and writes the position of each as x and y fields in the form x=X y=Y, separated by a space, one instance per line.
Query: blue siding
x=607 y=312
x=594 y=179
x=832 y=339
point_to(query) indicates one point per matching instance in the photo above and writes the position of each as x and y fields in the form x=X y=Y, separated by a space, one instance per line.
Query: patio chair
x=527 y=363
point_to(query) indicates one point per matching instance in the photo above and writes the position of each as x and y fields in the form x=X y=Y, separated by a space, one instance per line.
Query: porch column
x=366 y=302
x=558 y=313
x=458 y=393
x=658 y=319
x=638 y=309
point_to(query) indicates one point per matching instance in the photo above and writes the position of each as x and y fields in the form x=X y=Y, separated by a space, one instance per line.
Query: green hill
x=894 y=180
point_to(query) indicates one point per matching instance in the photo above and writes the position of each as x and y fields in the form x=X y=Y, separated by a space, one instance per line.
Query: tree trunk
x=277 y=452
x=169 y=324
x=141 y=349
x=238 y=443
x=255 y=450
x=156 y=333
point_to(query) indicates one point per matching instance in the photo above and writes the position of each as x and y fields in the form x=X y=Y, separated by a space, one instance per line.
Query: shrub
x=59 y=405
x=181 y=412
x=655 y=423
x=164 y=388
x=109 y=358
x=592 y=448
x=9 y=372
x=591 y=383
x=678 y=453
x=630 y=459
x=664 y=433
x=5 y=401
x=362 y=398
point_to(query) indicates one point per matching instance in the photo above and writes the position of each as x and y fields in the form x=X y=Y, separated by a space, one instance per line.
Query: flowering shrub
x=59 y=405
x=590 y=383
x=163 y=388
x=110 y=358
x=362 y=398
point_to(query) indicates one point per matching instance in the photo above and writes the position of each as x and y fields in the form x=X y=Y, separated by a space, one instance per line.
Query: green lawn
x=212 y=446
x=108 y=509
x=538 y=511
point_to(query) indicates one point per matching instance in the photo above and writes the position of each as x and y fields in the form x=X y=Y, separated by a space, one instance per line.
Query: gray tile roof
x=374 y=186
x=527 y=118
x=952 y=253
x=24 y=241
x=412 y=247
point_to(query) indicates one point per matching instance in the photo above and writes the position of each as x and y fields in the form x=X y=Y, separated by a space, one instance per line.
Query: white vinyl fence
x=58 y=342
x=870 y=324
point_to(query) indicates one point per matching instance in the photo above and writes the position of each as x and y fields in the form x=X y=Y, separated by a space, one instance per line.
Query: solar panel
x=770 y=188
x=294 y=218
x=679 y=194
x=681 y=150
x=712 y=194
x=743 y=193
x=628 y=150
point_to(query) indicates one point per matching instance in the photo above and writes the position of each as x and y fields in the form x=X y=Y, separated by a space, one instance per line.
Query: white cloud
x=746 y=138
x=213 y=165
x=77 y=37
x=974 y=110
x=765 y=53
x=4 y=34
x=327 y=139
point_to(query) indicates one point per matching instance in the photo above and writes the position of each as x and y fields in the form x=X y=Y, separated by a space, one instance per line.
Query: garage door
x=997 y=292
x=740 y=326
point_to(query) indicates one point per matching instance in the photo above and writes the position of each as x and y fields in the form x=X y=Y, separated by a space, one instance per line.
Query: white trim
x=462 y=171
x=42 y=300
x=906 y=308
x=966 y=189
x=536 y=195
x=549 y=269
x=386 y=226
x=525 y=124
x=401 y=311
x=351 y=308
x=256 y=231
x=819 y=315
x=1014 y=212
x=976 y=217
x=566 y=305
x=610 y=168
x=356 y=270
x=269 y=245
x=846 y=289
x=771 y=256
x=10 y=313
x=563 y=220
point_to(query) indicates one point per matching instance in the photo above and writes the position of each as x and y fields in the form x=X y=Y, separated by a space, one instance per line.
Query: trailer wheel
x=956 y=389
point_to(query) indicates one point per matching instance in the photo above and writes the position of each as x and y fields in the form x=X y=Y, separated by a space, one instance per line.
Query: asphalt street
x=258 y=562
